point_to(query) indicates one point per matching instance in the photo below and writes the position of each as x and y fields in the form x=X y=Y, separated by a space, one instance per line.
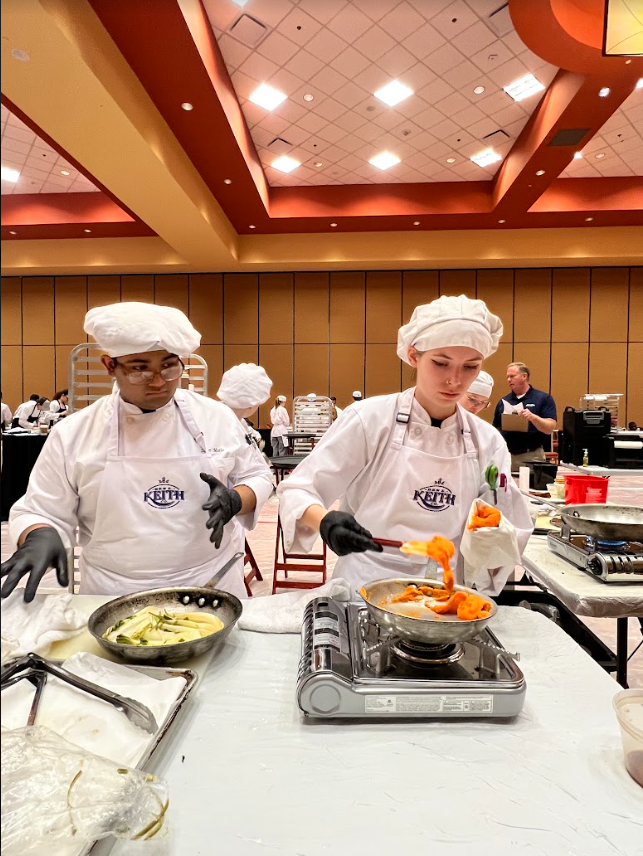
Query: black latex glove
x=42 y=549
x=222 y=506
x=344 y=535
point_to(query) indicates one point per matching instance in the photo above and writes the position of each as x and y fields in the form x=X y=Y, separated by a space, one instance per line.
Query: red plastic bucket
x=580 y=490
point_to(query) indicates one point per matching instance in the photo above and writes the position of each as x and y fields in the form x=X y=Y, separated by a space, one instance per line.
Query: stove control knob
x=594 y=565
x=325 y=699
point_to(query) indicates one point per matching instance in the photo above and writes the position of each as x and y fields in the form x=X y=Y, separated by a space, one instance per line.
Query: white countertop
x=579 y=591
x=251 y=776
x=603 y=471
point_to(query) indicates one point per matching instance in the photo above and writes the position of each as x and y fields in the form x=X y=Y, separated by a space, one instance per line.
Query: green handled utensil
x=491 y=477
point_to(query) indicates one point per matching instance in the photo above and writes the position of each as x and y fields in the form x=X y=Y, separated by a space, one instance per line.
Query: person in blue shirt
x=538 y=408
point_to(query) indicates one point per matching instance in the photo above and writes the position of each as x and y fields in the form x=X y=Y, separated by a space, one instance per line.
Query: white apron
x=413 y=495
x=150 y=528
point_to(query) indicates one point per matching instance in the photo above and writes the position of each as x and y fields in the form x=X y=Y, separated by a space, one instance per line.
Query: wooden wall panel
x=608 y=319
x=383 y=370
x=276 y=318
x=635 y=383
x=206 y=306
x=62 y=367
x=11 y=311
x=532 y=310
x=38 y=310
x=235 y=354
x=277 y=360
x=213 y=355
x=537 y=356
x=240 y=308
x=312 y=307
x=496 y=365
x=383 y=305
x=636 y=305
x=137 y=288
x=311 y=369
x=12 y=392
x=456 y=282
x=70 y=308
x=171 y=289
x=570 y=305
x=569 y=374
x=607 y=367
x=346 y=371
x=496 y=288
x=418 y=287
x=103 y=290
x=38 y=370
x=347 y=306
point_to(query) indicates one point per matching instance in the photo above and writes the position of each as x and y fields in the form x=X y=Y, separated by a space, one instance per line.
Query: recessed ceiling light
x=604 y=92
x=540 y=172
x=64 y=172
x=87 y=231
x=578 y=155
x=485 y=157
x=333 y=225
x=502 y=221
x=23 y=56
x=628 y=61
x=267 y=97
x=450 y=160
x=12 y=233
x=251 y=226
x=309 y=97
x=416 y=222
x=588 y=219
x=393 y=93
x=187 y=106
x=285 y=164
x=318 y=164
x=639 y=83
x=523 y=87
x=11 y=175
x=384 y=160
x=599 y=155
x=227 y=181
x=478 y=90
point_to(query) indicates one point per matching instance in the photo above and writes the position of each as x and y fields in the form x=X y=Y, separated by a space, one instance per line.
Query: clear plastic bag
x=56 y=794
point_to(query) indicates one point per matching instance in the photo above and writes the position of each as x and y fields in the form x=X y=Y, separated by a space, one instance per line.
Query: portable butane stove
x=351 y=668
x=607 y=561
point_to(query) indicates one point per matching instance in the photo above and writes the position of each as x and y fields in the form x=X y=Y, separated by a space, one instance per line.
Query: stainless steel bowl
x=432 y=630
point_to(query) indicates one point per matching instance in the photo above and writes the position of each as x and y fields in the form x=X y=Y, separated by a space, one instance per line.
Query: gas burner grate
x=427 y=655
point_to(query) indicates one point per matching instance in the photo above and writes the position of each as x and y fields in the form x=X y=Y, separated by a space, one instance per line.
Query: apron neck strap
x=113 y=442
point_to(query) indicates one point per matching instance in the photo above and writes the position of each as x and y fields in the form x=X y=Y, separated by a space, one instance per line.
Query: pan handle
x=216 y=579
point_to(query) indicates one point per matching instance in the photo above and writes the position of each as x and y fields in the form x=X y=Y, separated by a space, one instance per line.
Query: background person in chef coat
x=408 y=465
x=280 y=421
x=27 y=413
x=244 y=388
x=6 y=416
x=59 y=404
x=478 y=397
x=535 y=406
x=150 y=474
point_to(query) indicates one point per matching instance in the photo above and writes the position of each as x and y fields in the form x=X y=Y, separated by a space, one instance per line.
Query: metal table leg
x=621 y=651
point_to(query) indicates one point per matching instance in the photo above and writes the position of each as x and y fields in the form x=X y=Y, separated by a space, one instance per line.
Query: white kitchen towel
x=284 y=613
x=34 y=627
x=488 y=548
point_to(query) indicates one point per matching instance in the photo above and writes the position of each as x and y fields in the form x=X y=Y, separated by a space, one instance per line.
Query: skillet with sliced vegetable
x=157 y=626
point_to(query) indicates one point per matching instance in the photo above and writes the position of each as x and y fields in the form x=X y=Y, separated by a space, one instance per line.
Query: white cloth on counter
x=34 y=627
x=284 y=613
x=87 y=721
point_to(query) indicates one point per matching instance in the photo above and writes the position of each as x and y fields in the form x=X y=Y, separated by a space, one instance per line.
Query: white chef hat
x=311 y=396
x=281 y=398
x=482 y=385
x=450 y=321
x=357 y=393
x=137 y=328
x=245 y=385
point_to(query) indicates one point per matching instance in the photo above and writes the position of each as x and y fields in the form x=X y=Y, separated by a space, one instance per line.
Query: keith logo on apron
x=435 y=497
x=163 y=495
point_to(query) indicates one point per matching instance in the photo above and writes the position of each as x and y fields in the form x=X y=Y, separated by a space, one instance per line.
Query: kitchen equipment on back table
x=354 y=667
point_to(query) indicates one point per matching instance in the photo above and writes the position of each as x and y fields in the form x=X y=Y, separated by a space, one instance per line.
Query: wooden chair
x=288 y=562
x=254 y=573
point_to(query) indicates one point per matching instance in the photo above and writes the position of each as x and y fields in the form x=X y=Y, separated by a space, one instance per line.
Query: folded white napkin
x=284 y=613
x=34 y=627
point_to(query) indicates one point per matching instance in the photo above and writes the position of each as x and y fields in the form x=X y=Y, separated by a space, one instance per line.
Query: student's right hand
x=343 y=534
x=42 y=549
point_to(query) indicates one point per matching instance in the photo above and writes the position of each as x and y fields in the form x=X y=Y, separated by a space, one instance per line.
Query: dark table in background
x=19 y=454
x=285 y=464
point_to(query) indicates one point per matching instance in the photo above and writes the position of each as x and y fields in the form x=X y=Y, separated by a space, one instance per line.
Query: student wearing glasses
x=150 y=474
x=478 y=397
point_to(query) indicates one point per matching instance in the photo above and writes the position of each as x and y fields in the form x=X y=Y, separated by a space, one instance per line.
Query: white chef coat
x=56 y=406
x=24 y=410
x=346 y=464
x=6 y=415
x=65 y=483
x=280 y=421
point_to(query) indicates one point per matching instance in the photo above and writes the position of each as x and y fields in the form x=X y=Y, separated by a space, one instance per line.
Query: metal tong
x=36 y=669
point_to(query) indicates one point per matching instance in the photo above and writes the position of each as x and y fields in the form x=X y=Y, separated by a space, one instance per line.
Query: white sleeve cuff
x=19 y=523
x=262 y=487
